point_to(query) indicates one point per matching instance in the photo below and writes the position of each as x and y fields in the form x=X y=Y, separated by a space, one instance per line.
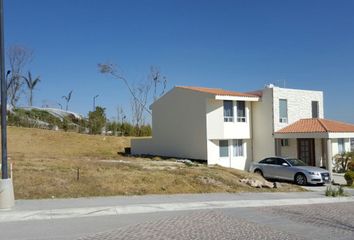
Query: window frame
x=264 y=161
x=351 y=144
x=243 y=117
x=227 y=146
x=341 y=141
x=317 y=113
x=226 y=117
x=237 y=148
x=284 y=142
x=283 y=119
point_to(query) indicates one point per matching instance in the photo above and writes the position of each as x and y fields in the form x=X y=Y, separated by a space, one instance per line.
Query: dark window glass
x=241 y=111
x=224 y=148
x=228 y=111
x=314 y=109
x=341 y=146
x=283 y=110
x=268 y=161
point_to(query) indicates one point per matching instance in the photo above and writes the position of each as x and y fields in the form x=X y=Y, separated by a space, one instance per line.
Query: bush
x=349 y=177
x=343 y=161
x=335 y=192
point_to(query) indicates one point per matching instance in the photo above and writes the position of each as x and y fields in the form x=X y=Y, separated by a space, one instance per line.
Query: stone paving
x=196 y=225
x=334 y=221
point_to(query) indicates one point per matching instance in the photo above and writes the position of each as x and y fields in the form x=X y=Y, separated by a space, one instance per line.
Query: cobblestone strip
x=338 y=219
x=196 y=225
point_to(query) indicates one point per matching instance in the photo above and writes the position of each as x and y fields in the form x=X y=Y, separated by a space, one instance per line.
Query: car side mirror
x=285 y=164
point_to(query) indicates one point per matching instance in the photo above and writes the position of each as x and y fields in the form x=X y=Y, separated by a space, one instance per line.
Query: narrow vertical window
x=241 y=111
x=238 y=148
x=352 y=144
x=224 y=148
x=283 y=110
x=228 y=111
x=341 y=146
x=314 y=109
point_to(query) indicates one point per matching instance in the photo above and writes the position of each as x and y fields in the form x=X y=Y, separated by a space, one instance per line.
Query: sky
x=239 y=45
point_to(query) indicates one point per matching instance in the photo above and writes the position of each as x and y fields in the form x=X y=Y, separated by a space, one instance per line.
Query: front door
x=306 y=150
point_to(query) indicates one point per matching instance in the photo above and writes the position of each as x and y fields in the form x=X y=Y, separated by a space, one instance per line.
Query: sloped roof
x=317 y=125
x=219 y=91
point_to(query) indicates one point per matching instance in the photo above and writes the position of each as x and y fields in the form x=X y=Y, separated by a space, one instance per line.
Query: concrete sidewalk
x=27 y=210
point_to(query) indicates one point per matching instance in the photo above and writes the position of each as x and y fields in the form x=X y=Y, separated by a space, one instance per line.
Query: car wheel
x=259 y=172
x=300 y=179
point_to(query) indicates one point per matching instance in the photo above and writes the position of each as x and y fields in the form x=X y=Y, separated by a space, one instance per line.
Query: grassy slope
x=46 y=163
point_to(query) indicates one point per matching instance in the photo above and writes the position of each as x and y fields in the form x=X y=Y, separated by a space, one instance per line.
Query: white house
x=232 y=129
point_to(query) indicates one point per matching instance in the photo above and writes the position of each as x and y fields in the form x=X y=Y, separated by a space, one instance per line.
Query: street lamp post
x=94 y=102
x=7 y=199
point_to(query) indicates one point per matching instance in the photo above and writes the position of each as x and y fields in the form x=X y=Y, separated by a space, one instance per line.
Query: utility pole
x=7 y=199
x=94 y=102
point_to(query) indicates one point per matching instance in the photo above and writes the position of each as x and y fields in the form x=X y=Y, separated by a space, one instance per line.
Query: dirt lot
x=46 y=165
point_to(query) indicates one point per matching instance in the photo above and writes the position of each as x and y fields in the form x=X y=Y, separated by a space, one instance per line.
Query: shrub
x=343 y=161
x=349 y=177
x=334 y=192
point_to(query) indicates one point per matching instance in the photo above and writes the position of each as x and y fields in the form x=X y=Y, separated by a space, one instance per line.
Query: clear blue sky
x=236 y=45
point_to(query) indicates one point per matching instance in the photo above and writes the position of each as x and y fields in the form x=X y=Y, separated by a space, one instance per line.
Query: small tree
x=343 y=160
x=67 y=99
x=18 y=57
x=31 y=84
x=97 y=120
x=155 y=82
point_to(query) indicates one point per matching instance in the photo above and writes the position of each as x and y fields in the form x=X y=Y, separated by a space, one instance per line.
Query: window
x=228 y=111
x=280 y=161
x=314 y=109
x=224 y=148
x=284 y=142
x=238 y=148
x=283 y=110
x=269 y=161
x=352 y=144
x=241 y=111
x=341 y=147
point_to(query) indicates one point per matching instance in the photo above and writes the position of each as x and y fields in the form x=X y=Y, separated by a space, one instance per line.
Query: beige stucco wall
x=218 y=129
x=178 y=126
x=262 y=126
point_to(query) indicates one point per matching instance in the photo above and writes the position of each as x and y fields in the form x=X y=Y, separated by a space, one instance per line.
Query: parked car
x=291 y=169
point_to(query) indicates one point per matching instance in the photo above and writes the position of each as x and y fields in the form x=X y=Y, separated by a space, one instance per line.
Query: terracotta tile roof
x=317 y=125
x=219 y=91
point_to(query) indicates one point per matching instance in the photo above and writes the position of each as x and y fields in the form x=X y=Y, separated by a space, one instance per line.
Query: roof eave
x=237 y=98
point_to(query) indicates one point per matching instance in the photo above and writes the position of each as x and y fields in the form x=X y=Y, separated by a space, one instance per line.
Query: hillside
x=46 y=163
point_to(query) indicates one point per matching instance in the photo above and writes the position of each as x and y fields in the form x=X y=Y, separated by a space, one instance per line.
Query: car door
x=267 y=167
x=283 y=172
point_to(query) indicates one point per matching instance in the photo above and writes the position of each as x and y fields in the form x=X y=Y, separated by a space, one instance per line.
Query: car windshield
x=296 y=162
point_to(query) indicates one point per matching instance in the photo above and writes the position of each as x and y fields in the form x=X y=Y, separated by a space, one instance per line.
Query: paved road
x=319 y=221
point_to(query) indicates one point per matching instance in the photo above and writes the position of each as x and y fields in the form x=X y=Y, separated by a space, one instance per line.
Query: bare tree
x=31 y=84
x=154 y=81
x=120 y=114
x=159 y=82
x=67 y=99
x=139 y=103
x=18 y=57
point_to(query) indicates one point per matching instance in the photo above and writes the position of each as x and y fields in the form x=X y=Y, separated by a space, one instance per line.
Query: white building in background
x=232 y=129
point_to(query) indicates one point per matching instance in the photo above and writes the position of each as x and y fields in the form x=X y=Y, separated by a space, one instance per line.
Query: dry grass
x=46 y=162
